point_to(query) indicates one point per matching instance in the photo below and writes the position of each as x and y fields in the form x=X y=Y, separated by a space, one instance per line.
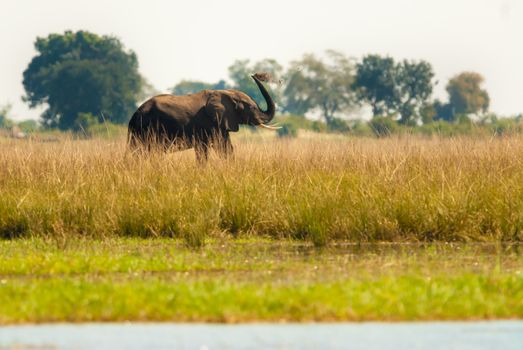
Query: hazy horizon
x=200 y=40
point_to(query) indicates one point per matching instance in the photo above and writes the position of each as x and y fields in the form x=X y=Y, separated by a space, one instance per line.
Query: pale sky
x=201 y=38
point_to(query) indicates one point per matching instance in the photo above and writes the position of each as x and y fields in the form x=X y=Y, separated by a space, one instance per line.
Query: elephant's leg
x=202 y=151
x=223 y=146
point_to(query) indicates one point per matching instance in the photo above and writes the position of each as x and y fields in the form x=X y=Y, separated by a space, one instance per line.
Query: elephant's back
x=177 y=108
x=169 y=115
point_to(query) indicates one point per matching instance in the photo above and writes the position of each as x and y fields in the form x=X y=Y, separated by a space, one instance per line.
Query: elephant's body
x=198 y=120
x=154 y=121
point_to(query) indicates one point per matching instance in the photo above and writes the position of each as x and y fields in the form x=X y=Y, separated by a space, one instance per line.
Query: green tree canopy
x=186 y=87
x=375 y=83
x=240 y=73
x=79 y=73
x=389 y=87
x=315 y=84
x=466 y=95
x=443 y=111
x=414 y=88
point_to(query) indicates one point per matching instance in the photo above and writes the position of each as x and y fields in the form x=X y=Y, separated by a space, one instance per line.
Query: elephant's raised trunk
x=271 y=108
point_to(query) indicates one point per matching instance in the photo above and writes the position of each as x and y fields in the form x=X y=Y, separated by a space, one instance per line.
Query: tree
x=240 y=73
x=314 y=84
x=394 y=88
x=5 y=122
x=375 y=83
x=414 y=88
x=443 y=111
x=428 y=113
x=466 y=95
x=186 y=87
x=78 y=73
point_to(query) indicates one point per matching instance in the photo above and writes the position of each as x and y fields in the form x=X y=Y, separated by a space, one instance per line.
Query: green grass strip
x=391 y=298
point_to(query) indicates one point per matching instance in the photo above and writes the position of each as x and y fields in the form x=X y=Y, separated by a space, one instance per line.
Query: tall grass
x=395 y=189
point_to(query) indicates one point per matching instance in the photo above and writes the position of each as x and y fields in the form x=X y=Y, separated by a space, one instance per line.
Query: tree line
x=84 y=79
x=336 y=86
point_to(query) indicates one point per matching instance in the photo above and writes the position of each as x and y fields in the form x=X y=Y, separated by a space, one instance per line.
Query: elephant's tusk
x=269 y=127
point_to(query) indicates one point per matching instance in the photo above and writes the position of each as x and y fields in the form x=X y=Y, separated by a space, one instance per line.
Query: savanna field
x=323 y=228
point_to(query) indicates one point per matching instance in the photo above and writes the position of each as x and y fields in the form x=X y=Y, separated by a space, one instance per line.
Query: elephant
x=200 y=120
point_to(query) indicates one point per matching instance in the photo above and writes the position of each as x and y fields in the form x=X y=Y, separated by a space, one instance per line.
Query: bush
x=318 y=126
x=463 y=119
x=5 y=122
x=360 y=128
x=297 y=121
x=83 y=122
x=29 y=126
x=505 y=126
x=109 y=130
x=338 y=125
x=383 y=126
x=88 y=125
x=448 y=129
x=288 y=130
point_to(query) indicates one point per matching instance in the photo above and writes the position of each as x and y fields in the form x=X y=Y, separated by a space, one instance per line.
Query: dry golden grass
x=397 y=189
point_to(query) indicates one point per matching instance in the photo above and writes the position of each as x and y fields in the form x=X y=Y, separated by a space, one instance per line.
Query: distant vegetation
x=85 y=79
x=5 y=122
x=487 y=125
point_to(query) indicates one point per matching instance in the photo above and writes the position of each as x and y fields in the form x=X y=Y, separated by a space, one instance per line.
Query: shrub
x=29 y=126
x=5 y=122
x=383 y=126
x=360 y=128
x=338 y=125
x=297 y=121
x=83 y=122
x=448 y=129
x=288 y=130
x=505 y=126
x=107 y=130
x=318 y=126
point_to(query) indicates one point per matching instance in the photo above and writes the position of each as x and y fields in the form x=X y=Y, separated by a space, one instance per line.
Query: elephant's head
x=230 y=108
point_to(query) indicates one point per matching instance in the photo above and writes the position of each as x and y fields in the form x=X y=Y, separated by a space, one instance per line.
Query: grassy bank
x=317 y=190
x=238 y=281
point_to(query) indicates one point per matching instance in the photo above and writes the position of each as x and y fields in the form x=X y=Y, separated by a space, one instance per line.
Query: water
x=506 y=335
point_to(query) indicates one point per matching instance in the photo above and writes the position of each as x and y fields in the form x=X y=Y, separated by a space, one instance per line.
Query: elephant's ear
x=222 y=110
